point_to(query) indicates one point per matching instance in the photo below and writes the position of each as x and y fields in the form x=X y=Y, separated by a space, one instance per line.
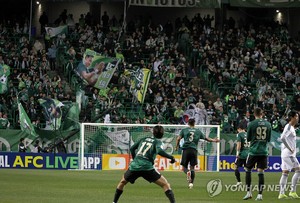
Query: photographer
x=37 y=147
x=22 y=147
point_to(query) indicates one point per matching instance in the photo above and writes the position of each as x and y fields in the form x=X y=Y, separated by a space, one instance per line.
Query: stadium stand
x=243 y=66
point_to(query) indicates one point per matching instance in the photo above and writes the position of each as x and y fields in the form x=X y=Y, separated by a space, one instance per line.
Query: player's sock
x=237 y=175
x=170 y=195
x=261 y=182
x=248 y=179
x=294 y=181
x=192 y=176
x=118 y=193
x=185 y=170
x=283 y=182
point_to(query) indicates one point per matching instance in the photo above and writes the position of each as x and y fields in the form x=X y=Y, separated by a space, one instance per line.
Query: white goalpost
x=106 y=146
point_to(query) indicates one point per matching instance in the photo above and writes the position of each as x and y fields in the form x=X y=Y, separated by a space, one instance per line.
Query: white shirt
x=289 y=137
x=156 y=64
x=107 y=118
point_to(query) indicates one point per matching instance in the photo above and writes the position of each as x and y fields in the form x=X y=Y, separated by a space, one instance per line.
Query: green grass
x=54 y=186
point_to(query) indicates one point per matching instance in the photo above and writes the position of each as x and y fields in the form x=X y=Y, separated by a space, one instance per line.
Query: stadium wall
x=159 y=15
x=9 y=140
x=287 y=16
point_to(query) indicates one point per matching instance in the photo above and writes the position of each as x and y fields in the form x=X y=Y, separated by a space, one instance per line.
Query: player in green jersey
x=242 y=149
x=258 y=134
x=191 y=136
x=143 y=154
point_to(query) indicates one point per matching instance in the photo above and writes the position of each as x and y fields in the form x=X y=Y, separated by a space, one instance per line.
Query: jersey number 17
x=144 y=148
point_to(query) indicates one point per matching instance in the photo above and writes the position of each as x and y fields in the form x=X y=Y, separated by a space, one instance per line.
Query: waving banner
x=4 y=73
x=70 y=118
x=54 y=31
x=96 y=70
x=52 y=112
x=139 y=80
x=111 y=65
x=25 y=122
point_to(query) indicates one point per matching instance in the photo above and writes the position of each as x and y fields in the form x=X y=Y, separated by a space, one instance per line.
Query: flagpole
x=30 y=21
x=123 y=26
x=17 y=95
x=55 y=141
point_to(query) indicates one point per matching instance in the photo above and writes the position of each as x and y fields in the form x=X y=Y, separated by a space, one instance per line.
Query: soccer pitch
x=55 y=186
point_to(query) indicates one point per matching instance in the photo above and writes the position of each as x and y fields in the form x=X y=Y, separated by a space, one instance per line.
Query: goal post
x=105 y=146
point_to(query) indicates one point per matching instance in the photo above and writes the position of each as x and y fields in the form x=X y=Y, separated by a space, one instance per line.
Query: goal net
x=106 y=146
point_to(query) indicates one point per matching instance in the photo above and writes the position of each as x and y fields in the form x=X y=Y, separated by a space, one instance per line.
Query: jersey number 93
x=261 y=133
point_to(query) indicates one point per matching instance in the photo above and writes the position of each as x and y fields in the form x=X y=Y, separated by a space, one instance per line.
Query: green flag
x=71 y=121
x=52 y=113
x=4 y=73
x=25 y=122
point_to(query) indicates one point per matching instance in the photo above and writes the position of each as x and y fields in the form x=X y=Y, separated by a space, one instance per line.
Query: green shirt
x=259 y=134
x=120 y=56
x=3 y=123
x=178 y=113
x=144 y=153
x=250 y=43
x=191 y=137
x=242 y=138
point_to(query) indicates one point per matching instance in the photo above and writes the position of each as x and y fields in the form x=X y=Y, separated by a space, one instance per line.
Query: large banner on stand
x=177 y=3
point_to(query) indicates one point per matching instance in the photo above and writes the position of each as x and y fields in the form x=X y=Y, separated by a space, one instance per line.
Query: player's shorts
x=261 y=161
x=150 y=176
x=288 y=163
x=189 y=156
x=240 y=162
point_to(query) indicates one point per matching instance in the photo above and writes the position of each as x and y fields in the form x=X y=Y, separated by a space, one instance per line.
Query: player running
x=191 y=136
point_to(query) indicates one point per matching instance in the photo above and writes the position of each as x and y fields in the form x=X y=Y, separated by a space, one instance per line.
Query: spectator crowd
x=220 y=74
